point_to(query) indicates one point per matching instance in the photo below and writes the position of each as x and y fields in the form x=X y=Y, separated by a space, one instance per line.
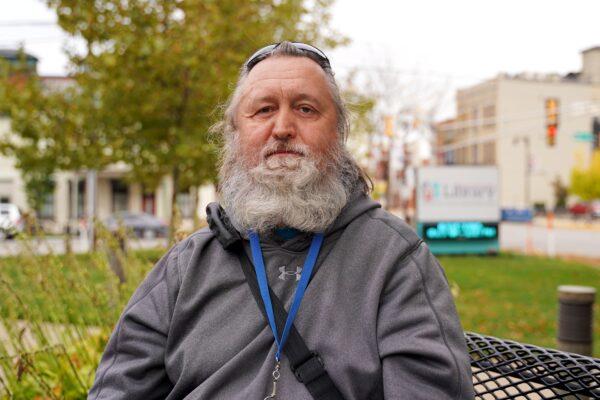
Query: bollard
x=575 y=319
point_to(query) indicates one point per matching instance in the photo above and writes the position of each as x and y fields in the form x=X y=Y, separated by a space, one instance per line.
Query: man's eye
x=306 y=110
x=265 y=110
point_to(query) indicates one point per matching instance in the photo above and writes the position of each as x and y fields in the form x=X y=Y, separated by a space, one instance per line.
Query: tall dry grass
x=56 y=314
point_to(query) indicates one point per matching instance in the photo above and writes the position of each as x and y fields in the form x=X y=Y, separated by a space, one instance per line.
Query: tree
x=155 y=71
x=361 y=108
x=50 y=129
x=585 y=183
x=561 y=191
x=360 y=105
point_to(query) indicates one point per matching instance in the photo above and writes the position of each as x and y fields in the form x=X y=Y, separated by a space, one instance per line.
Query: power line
x=584 y=108
x=407 y=72
x=575 y=109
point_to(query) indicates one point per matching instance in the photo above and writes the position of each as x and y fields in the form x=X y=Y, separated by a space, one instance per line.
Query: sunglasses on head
x=268 y=50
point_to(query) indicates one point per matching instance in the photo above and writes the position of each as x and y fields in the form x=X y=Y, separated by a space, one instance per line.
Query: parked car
x=580 y=209
x=11 y=220
x=140 y=225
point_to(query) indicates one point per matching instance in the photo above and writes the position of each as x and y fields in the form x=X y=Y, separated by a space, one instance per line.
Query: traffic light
x=551 y=121
x=596 y=133
x=551 y=135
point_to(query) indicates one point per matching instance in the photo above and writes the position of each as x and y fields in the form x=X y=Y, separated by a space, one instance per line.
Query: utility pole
x=527 y=170
x=527 y=189
x=526 y=143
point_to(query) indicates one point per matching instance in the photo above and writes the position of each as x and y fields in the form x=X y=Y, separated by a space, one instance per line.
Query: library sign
x=458 y=209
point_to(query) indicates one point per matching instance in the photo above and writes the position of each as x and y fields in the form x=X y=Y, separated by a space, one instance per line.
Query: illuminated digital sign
x=460 y=231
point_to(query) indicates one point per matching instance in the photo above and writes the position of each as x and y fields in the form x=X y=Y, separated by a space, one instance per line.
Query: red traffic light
x=551 y=135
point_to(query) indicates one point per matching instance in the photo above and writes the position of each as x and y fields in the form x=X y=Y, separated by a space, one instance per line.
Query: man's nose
x=285 y=127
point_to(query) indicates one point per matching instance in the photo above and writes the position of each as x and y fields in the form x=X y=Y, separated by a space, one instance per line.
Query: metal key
x=276 y=374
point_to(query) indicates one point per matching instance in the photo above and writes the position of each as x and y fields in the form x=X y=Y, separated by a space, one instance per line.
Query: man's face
x=286 y=111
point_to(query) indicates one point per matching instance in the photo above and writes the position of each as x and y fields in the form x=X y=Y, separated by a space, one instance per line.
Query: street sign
x=584 y=136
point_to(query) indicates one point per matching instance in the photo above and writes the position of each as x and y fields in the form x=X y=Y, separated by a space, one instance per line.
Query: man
x=378 y=310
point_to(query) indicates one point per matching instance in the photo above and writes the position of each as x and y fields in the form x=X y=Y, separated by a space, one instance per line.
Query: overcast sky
x=459 y=41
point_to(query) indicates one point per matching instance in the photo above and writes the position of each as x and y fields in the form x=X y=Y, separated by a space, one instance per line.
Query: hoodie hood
x=358 y=204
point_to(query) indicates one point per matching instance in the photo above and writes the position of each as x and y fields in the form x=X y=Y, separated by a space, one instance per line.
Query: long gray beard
x=298 y=192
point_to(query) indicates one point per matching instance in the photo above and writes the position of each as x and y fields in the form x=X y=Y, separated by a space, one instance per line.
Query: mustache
x=279 y=147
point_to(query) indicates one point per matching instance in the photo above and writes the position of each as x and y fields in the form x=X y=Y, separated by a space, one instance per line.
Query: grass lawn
x=514 y=296
x=508 y=296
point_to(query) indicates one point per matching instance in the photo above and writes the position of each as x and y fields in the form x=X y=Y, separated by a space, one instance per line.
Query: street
x=56 y=245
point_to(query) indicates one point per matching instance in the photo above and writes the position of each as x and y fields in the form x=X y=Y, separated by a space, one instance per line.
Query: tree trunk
x=116 y=254
x=174 y=220
x=196 y=204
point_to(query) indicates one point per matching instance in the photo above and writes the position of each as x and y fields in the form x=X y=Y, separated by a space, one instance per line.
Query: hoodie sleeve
x=421 y=342
x=132 y=366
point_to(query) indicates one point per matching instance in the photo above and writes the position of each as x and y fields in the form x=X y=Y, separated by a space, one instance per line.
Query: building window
x=80 y=198
x=489 y=114
x=184 y=204
x=120 y=195
x=46 y=210
x=489 y=111
x=4 y=199
x=489 y=153
x=474 y=122
x=149 y=203
x=44 y=204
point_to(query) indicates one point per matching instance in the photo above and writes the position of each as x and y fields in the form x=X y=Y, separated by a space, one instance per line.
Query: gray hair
x=227 y=126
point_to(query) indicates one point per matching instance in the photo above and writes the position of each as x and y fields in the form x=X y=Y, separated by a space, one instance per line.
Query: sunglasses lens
x=263 y=53
x=259 y=55
x=312 y=49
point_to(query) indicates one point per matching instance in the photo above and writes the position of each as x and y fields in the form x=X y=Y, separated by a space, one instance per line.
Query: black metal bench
x=503 y=369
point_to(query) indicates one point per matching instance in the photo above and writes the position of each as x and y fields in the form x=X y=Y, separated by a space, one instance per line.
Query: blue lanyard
x=261 y=275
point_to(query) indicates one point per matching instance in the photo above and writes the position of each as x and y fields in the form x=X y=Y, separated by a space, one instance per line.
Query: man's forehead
x=283 y=71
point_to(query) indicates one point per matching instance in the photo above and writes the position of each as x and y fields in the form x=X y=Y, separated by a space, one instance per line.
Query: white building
x=67 y=205
x=503 y=121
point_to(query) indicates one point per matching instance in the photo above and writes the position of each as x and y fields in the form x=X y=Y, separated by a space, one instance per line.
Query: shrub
x=56 y=315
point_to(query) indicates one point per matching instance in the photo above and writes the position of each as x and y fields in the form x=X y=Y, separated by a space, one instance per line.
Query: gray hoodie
x=378 y=311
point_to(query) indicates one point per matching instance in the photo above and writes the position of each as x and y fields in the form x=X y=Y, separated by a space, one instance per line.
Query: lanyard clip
x=276 y=375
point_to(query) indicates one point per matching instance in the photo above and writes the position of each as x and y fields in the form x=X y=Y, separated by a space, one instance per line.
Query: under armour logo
x=285 y=273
